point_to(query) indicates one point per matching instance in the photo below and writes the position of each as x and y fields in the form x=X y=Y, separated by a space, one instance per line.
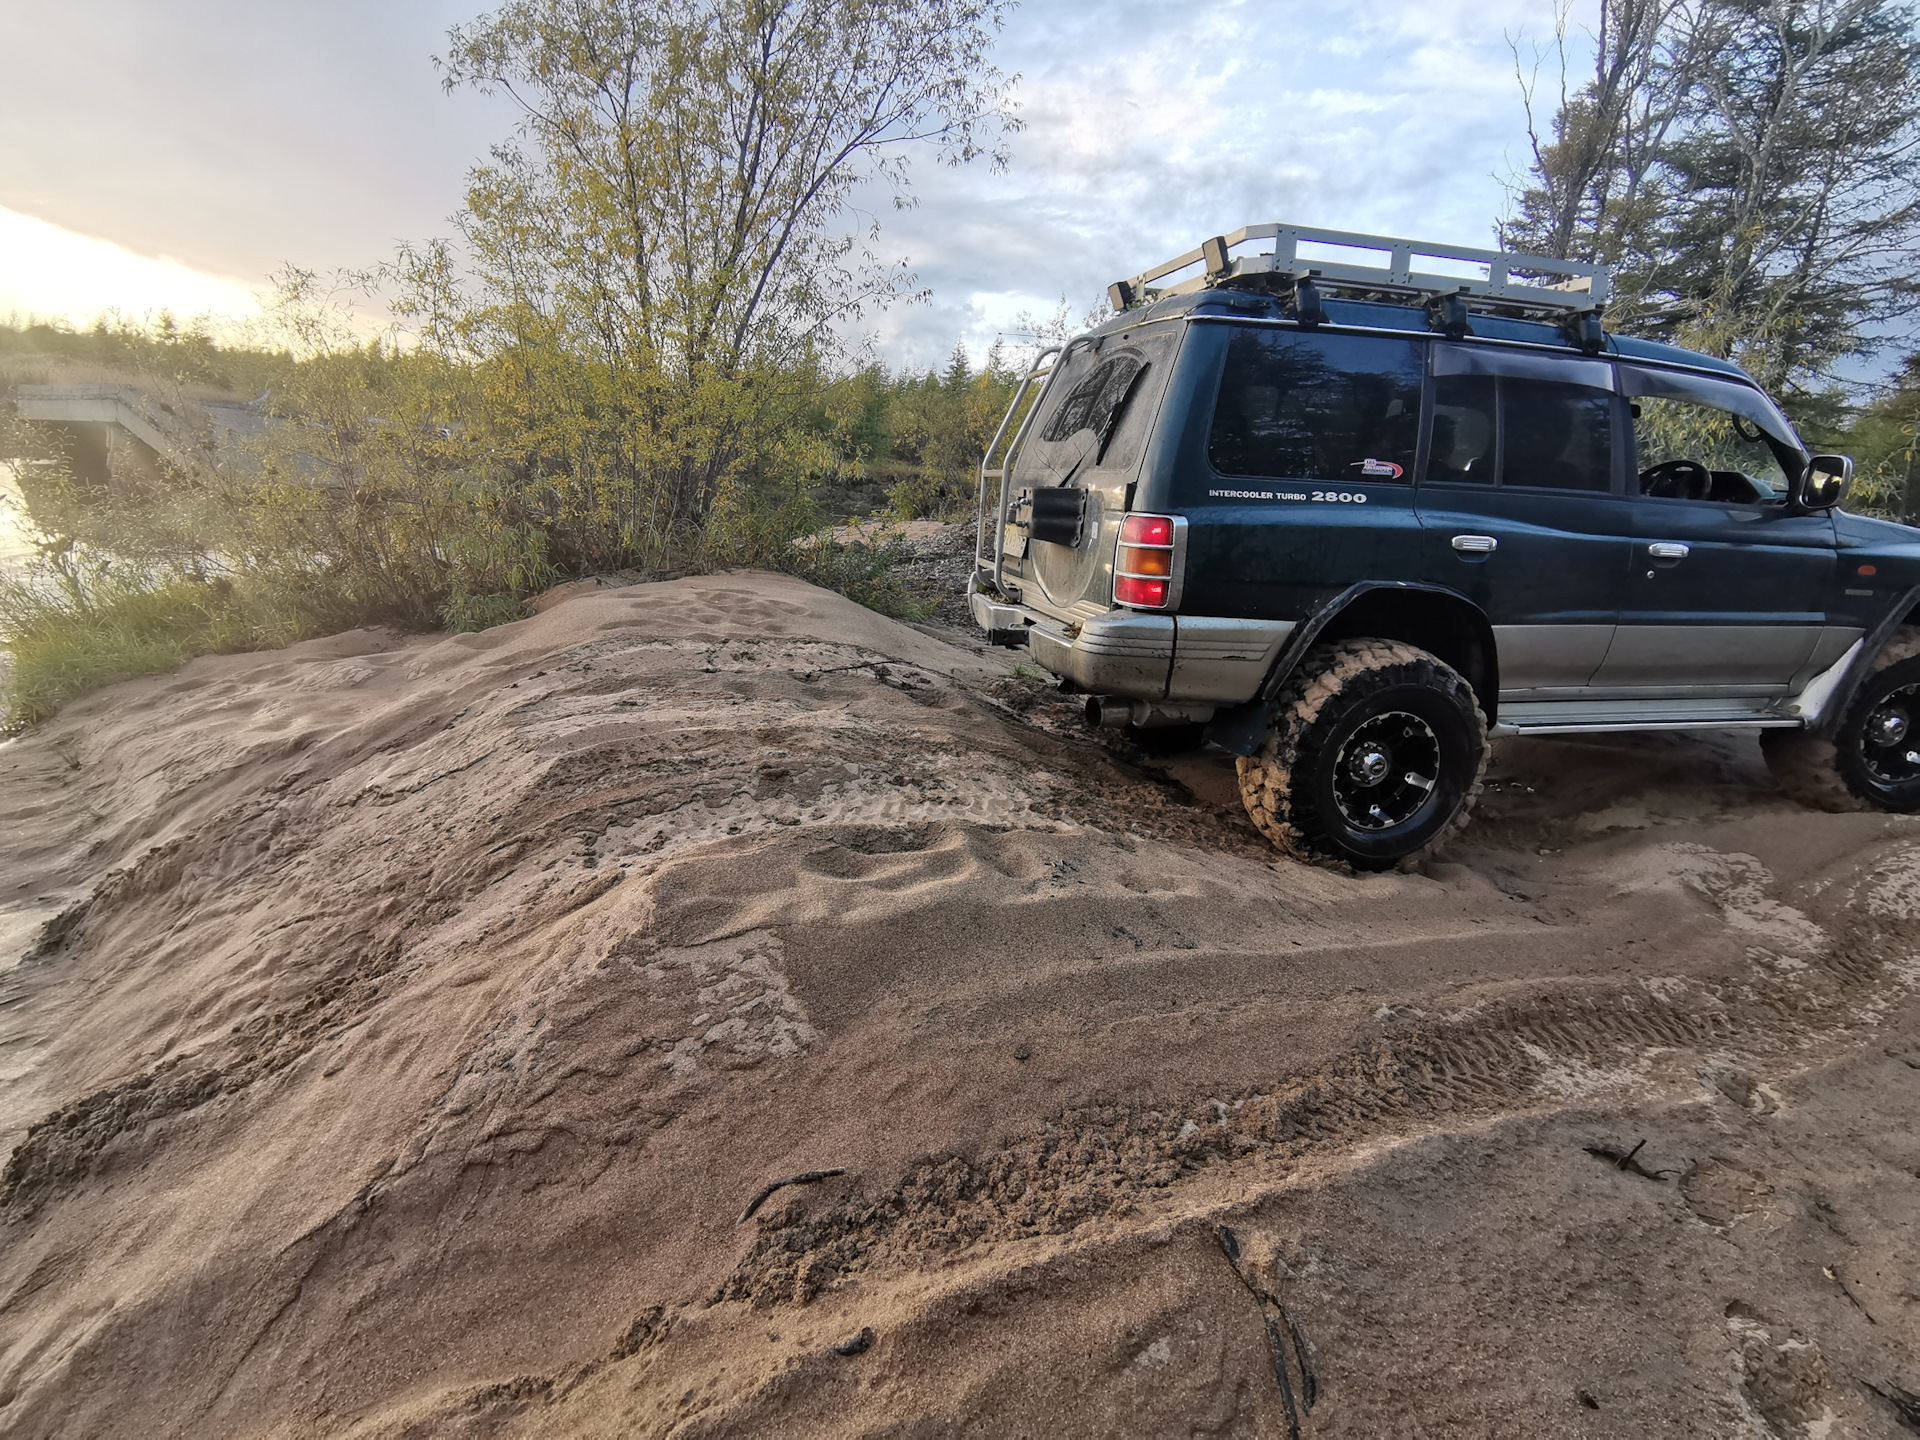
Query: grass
x=72 y=626
x=122 y=629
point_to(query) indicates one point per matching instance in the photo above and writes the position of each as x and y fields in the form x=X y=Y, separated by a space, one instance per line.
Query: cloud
x=50 y=273
x=1141 y=140
x=240 y=137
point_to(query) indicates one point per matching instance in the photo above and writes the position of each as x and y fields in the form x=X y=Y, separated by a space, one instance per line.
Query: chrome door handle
x=1475 y=544
x=1668 y=550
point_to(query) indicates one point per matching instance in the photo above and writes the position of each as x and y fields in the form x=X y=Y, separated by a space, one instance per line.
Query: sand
x=393 y=1032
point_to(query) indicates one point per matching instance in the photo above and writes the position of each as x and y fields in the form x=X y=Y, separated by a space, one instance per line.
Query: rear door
x=1521 y=507
x=1296 y=471
x=1729 y=591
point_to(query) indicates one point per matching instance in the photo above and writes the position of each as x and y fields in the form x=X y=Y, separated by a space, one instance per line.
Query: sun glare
x=50 y=273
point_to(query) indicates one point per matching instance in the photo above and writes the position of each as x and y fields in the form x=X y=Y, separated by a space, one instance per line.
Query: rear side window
x=1464 y=429
x=1538 y=434
x=1302 y=406
x=1555 y=436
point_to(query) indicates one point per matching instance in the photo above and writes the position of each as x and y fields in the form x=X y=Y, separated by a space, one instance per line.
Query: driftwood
x=1274 y=1313
x=805 y=1177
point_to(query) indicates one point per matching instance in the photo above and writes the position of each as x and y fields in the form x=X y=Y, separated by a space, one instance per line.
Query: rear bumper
x=1184 y=658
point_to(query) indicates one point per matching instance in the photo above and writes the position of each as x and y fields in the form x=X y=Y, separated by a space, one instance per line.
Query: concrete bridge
x=118 y=427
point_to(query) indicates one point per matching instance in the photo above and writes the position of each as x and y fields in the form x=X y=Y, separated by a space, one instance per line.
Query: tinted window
x=1090 y=405
x=1541 y=433
x=1317 y=407
x=1555 y=435
x=1463 y=429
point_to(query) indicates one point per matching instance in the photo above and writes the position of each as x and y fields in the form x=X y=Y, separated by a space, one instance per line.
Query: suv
x=1345 y=519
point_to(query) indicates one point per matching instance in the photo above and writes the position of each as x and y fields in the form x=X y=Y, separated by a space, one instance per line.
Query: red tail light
x=1147 y=530
x=1132 y=590
x=1143 y=565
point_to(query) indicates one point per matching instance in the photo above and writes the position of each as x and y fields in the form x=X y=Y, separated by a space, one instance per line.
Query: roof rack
x=1579 y=286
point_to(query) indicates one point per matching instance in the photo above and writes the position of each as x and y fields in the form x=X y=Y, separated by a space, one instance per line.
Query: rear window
x=1097 y=409
x=1301 y=406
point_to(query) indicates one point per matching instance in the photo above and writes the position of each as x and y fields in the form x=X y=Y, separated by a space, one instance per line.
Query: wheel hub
x=1888 y=726
x=1370 y=767
x=1385 y=772
x=1887 y=740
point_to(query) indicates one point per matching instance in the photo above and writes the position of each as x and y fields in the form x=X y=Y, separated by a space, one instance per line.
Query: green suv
x=1345 y=518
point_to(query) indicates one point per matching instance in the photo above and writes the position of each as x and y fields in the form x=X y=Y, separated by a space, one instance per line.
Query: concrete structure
x=111 y=427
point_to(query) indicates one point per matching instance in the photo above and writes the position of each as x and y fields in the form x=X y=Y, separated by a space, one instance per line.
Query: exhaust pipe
x=1107 y=712
x=1116 y=712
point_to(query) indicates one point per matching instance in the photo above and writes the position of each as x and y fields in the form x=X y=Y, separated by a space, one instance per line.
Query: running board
x=1561 y=718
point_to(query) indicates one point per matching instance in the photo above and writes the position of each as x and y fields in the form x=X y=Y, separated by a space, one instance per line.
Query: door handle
x=1668 y=550
x=1475 y=544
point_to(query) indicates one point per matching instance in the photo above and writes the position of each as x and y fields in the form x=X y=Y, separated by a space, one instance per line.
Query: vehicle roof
x=1379 y=315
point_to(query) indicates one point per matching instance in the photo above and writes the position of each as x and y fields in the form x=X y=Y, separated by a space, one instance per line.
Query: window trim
x=1759 y=408
x=1452 y=358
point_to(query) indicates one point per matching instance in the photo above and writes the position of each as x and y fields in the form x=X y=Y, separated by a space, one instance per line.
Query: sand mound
x=404 y=1026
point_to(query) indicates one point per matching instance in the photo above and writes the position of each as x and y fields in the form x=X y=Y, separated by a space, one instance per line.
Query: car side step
x=1573 y=718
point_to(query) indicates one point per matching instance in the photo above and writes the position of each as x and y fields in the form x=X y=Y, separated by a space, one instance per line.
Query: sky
x=174 y=153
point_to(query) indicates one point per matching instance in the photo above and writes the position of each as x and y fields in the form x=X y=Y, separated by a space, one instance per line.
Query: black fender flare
x=1239 y=729
x=1856 y=674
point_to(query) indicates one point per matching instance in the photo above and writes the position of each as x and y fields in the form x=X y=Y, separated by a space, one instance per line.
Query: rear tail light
x=1143 y=567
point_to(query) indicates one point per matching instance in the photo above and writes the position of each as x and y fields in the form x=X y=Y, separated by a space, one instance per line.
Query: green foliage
x=75 y=622
x=467 y=613
x=1751 y=170
x=182 y=355
x=865 y=571
x=620 y=361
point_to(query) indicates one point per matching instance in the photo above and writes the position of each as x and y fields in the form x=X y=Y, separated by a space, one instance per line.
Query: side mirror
x=1826 y=482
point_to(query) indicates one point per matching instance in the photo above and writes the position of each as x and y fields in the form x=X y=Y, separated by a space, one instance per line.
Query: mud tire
x=1286 y=784
x=1806 y=768
x=1811 y=770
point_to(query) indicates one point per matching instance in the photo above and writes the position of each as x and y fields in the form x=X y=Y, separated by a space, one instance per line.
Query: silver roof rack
x=1544 y=283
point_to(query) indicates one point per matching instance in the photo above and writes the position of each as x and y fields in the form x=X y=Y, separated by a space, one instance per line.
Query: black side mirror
x=1825 y=482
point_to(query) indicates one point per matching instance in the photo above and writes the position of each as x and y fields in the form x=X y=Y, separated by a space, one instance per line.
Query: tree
x=662 y=248
x=1752 y=170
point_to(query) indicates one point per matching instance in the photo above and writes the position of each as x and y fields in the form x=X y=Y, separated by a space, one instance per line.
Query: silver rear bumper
x=1199 y=658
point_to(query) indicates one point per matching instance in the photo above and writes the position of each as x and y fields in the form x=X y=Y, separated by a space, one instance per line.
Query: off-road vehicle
x=1351 y=516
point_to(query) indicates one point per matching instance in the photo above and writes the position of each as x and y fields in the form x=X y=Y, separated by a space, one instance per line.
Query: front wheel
x=1873 y=759
x=1877 y=747
x=1377 y=750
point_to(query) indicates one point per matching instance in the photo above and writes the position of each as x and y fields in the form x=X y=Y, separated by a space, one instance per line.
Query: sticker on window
x=1386 y=469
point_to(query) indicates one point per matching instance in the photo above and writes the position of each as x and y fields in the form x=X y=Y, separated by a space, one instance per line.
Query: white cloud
x=1142 y=140
x=50 y=273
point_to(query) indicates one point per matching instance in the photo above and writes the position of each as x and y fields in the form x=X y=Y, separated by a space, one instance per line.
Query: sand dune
x=400 y=1028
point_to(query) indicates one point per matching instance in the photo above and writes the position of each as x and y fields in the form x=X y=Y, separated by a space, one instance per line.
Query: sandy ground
x=394 y=1032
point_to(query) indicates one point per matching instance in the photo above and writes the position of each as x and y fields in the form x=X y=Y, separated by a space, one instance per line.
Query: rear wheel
x=1376 y=752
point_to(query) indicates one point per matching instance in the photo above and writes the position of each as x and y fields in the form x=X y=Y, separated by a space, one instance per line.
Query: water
x=17 y=534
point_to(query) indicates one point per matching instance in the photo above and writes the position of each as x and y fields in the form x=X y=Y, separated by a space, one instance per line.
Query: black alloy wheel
x=1877 y=747
x=1385 y=771
x=1376 y=753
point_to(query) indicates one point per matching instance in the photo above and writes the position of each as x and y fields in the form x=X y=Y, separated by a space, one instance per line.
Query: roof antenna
x=1586 y=331
x=1307 y=308
x=1448 y=314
